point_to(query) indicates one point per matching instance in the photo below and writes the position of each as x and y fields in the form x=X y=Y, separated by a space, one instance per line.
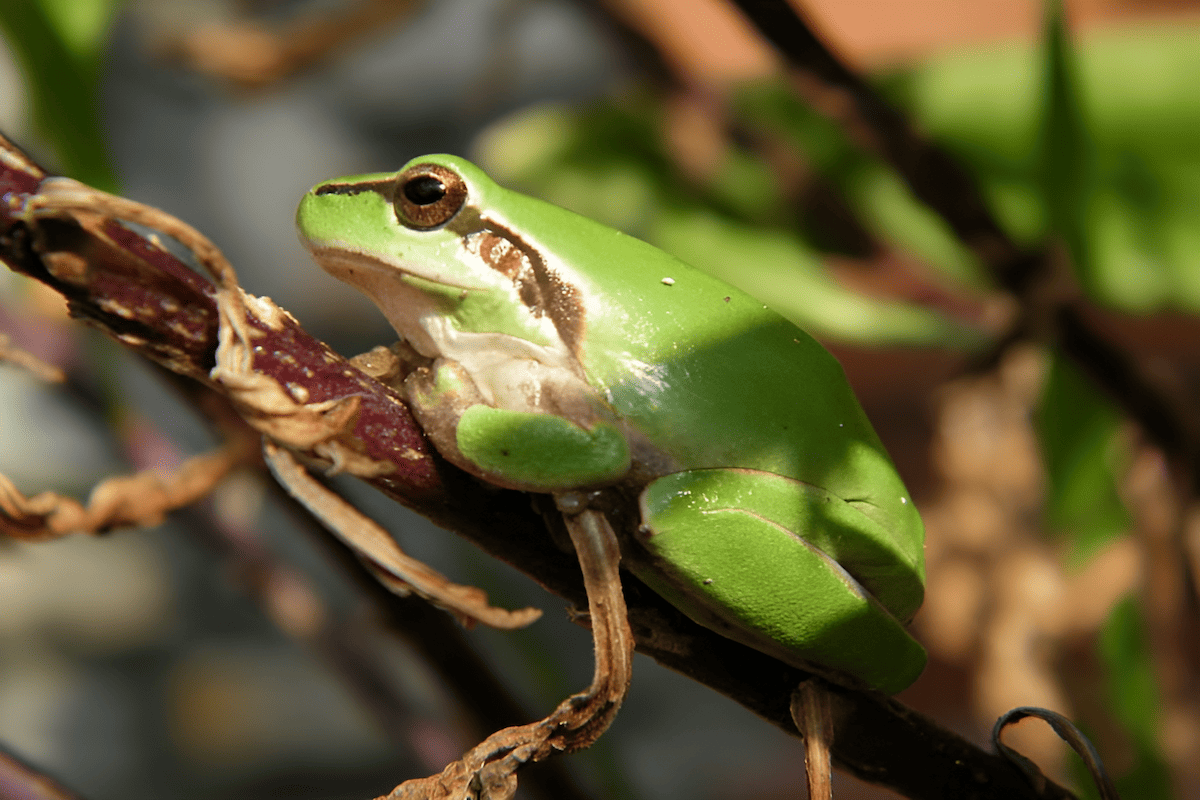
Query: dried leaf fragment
x=393 y=567
x=139 y=500
x=29 y=362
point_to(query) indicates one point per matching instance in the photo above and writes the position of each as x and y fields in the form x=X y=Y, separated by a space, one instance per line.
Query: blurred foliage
x=1067 y=164
x=872 y=190
x=59 y=45
x=1134 y=700
x=1119 y=159
x=1084 y=457
x=1077 y=426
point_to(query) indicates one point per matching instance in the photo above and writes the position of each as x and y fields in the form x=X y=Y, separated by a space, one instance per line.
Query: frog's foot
x=490 y=769
x=394 y=568
x=811 y=714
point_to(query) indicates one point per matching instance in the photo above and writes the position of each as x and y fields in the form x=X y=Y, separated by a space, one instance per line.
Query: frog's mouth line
x=349 y=263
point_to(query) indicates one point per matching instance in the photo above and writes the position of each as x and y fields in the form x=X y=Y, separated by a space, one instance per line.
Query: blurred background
x=1063 y=542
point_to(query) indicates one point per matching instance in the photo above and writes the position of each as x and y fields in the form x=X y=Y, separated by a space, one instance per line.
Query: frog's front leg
x=781 y=565
x=517 y=449
x=489 y=769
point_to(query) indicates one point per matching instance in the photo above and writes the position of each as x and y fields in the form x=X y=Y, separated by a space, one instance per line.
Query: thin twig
x=810 y=712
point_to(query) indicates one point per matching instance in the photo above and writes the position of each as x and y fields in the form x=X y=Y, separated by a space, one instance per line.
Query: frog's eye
x=428 y=195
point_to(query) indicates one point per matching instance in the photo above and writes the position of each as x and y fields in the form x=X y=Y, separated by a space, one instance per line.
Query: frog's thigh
x=756 y=580
x=540 y=452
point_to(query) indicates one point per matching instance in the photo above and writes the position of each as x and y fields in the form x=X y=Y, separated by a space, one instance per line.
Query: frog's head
x=432 y=245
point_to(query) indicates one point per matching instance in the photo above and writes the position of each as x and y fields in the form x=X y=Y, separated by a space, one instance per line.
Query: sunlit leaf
x=1124 y=175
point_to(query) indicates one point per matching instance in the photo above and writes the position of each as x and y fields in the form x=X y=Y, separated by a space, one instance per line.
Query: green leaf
x=887 y=207
x=1067 y=151
x=870 y=187
x=61 y=71
x=1123 y=136
x=81 y=24
x=1079 y=432
x=1134 y=699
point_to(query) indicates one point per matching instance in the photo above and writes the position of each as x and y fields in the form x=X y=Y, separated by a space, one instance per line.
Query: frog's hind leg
x=734 y=550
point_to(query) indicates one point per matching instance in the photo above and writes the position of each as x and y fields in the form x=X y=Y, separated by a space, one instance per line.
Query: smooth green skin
x=771 y=512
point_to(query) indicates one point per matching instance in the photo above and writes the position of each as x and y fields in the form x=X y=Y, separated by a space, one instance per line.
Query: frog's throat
x=508 y=371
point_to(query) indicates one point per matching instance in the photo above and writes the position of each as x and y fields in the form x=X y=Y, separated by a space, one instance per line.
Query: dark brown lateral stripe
x=378 y=187
x=547 y=293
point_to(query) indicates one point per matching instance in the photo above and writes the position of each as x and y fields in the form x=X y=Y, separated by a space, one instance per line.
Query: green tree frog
x=557 y=354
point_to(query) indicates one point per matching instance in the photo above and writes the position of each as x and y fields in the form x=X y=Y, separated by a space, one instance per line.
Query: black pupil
x=425 y=190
